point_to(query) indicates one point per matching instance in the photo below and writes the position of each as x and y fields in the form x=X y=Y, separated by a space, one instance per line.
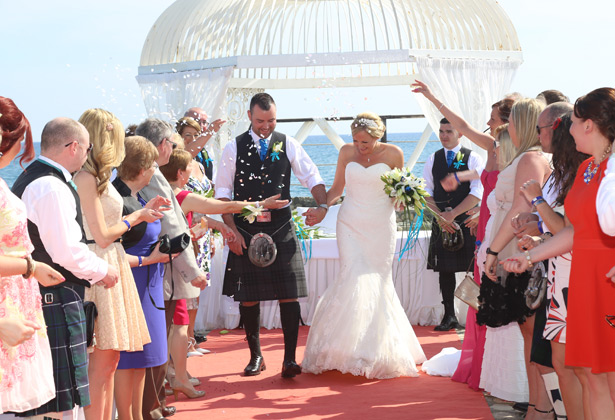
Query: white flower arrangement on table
x=250 y=213
x=407 y=192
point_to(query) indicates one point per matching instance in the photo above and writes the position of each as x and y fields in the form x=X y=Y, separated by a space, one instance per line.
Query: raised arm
x=198 y=203
x=483 y=140
x=197 y=145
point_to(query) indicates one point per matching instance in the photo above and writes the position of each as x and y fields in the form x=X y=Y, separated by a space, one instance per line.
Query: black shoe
x=290 y=369
x=448 y=323
x=200 y=338
x=519 y=406
x=255 y=367
x=168 y=411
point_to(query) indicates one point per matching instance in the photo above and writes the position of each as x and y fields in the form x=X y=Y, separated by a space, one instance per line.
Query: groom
x=451 y=207
x=256 y=165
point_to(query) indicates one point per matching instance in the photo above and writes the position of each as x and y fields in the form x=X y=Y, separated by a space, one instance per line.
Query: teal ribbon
x=413 y=234
x=275 y=156
x=301 y=234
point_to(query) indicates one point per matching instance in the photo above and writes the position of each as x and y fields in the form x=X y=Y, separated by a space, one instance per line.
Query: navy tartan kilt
x=65 y=322
x=284 y=279
x=447 y=261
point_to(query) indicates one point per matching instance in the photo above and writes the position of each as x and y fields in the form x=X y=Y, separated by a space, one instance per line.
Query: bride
x=359 y=326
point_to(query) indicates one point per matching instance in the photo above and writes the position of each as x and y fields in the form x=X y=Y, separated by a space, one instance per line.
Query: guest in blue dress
x=147 y=267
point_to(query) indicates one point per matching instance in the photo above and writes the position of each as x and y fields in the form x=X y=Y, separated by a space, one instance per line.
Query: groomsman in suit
x=451 y=207
x=55 y=227
x=254 y=166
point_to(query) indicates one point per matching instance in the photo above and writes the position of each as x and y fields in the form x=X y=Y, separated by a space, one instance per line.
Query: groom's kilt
x=442 y=260
x=284 y=279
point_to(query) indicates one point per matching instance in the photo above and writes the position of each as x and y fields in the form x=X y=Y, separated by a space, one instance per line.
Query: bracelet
x=540 y=228
x=127 y=224
x=457 y=178
x=441 y=105
x=537 y=200
x=490 y=252
x=529 y=259
x=140 y=261
x=29 y=267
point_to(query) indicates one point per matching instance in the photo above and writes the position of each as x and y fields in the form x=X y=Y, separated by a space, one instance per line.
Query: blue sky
x=61 y=57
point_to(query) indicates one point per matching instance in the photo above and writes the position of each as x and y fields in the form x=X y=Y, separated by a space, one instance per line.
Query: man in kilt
x=256 y=165
x=56 y=229
x=451 y=207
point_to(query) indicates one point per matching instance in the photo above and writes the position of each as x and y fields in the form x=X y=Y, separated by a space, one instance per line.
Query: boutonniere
x=458 y=160
x=250 y=213
x=276 y=149
x=206 y=159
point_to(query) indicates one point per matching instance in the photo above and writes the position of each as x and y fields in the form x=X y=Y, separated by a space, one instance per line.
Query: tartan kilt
x=65 y=322
x=284 y=279
x=450 y=261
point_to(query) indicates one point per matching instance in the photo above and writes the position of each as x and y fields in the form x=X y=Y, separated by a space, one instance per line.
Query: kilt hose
x=65 y=321
x=284 y=279
x=442 y=260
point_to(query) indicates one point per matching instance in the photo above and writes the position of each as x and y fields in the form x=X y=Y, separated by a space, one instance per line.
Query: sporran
x=262 y=251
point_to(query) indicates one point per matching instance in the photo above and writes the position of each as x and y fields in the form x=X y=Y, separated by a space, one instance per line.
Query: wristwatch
x=324 y=206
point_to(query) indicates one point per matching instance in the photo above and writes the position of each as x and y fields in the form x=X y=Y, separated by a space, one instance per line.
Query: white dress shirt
x=605 y=199
x=304 y=169
x=53 y=209
x=475 y=162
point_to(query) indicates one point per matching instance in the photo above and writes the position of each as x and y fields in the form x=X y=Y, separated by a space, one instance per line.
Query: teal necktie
x=263 y=152
x=450 y=155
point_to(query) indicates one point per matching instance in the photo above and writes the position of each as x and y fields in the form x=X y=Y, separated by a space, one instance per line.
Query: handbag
x=536 y=286
x=468 y=290
x=89 y=308
x=171 y=246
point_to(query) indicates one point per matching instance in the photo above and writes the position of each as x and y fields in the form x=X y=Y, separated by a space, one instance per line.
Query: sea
x=320 y=149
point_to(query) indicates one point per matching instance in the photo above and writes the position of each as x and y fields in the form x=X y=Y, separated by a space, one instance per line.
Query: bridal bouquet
x=407 y=192
x=405 y=189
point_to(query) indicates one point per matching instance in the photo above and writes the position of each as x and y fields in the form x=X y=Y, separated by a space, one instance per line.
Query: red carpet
x=327 y=396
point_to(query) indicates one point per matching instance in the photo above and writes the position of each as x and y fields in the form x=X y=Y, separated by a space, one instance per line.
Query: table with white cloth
x=417 y=287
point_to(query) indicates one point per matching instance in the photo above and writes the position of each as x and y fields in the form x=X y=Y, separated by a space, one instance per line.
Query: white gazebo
x=217 y=54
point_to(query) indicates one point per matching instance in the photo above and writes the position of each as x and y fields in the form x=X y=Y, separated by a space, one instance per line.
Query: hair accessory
x=109 y=127
x=366 y=122
x=556 y=123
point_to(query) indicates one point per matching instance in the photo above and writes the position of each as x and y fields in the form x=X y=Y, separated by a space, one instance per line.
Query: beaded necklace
x=589 y=173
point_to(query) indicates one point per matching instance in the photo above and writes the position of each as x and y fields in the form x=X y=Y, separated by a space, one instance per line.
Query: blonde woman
x=120 y=325
x=515 y=338
x=359 y=326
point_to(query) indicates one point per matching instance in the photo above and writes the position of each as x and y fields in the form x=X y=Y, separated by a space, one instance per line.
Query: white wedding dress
x=359 y=326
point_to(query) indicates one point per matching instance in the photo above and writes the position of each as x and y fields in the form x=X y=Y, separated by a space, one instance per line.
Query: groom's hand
x=314 y=216
x=237 y=244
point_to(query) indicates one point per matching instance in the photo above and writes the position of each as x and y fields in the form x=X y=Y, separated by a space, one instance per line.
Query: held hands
x=447 y=221
x=314 y=215
x=273 y=202
x=449 y=183
x=16 y=331
x=522 y=219
x=46 y=275
x=472 y=220
x=111 y=278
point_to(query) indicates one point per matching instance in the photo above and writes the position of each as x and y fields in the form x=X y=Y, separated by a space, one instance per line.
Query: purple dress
x=154 y=353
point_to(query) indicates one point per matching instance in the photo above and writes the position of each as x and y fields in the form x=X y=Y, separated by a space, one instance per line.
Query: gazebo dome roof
x=286 y=39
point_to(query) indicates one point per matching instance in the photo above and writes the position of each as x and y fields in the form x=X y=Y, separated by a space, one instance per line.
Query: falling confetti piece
x=223 y=331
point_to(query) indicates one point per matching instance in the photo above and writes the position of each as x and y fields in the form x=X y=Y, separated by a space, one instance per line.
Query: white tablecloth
x=416 y=286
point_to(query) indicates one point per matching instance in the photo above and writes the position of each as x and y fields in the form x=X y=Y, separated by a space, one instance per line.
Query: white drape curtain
x=167 y=96
x=466 y=86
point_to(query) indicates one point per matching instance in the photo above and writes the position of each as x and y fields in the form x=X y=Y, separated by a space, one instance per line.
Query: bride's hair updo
x=370 y=123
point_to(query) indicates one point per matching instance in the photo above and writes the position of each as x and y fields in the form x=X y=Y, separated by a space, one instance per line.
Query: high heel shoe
x=189 y=392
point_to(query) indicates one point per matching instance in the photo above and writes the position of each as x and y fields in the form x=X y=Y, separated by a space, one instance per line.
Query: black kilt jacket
x=440 y=259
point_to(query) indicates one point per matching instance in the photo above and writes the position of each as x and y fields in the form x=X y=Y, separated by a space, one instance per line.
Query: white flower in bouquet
x=250 y=213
